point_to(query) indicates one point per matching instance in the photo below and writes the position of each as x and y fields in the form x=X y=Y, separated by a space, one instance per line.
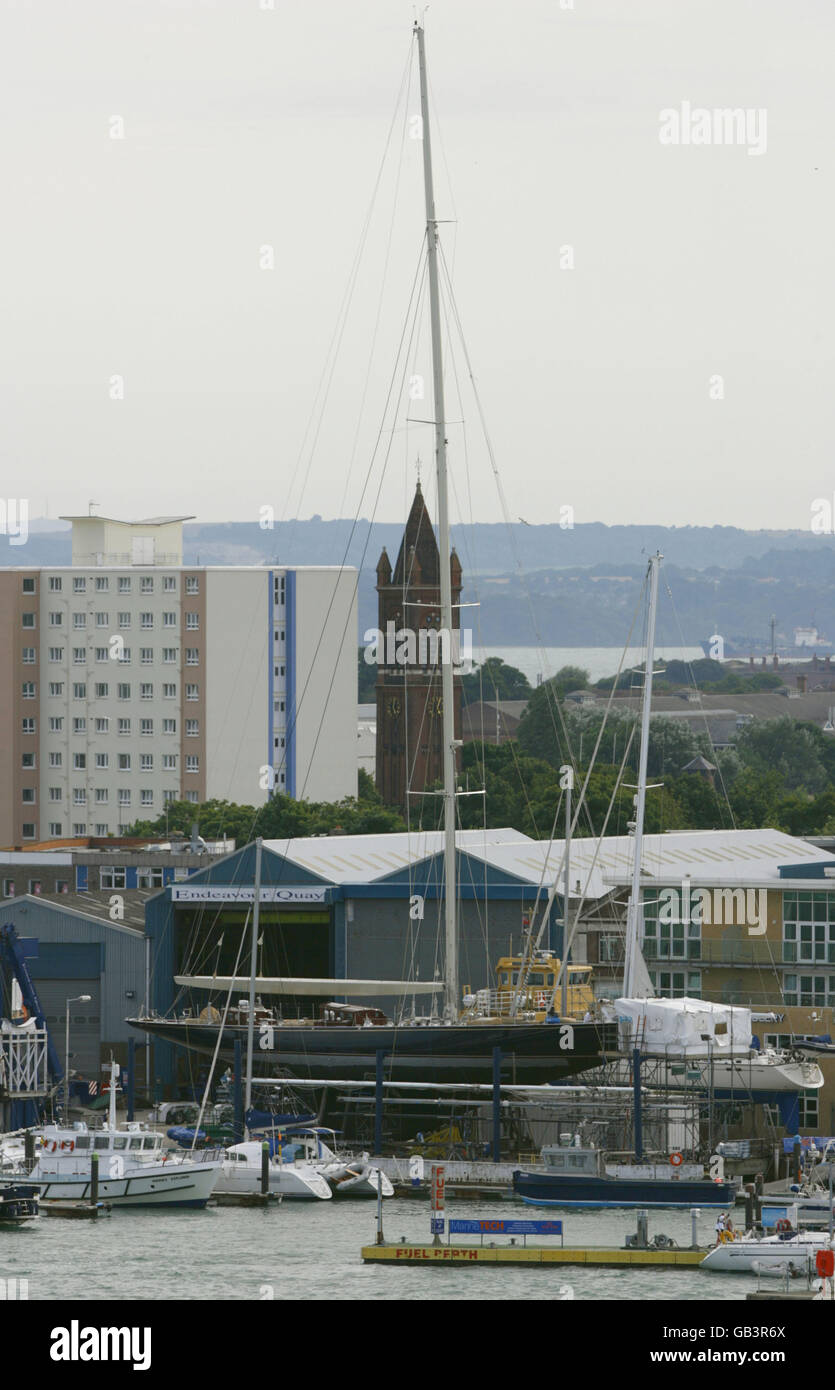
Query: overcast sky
x=249 y=127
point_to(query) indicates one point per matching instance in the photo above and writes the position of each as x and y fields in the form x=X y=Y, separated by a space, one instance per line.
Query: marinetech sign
x=245 y=893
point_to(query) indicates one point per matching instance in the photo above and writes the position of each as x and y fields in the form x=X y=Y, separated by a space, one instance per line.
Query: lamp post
x=77 y=999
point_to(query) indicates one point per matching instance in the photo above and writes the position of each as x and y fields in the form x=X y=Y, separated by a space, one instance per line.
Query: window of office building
x=675 y=984
x=809 y=928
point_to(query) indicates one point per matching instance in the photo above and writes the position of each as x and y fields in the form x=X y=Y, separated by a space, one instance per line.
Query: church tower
x=409 y=699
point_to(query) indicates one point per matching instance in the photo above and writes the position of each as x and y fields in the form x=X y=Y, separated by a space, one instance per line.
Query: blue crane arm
x=11 y=954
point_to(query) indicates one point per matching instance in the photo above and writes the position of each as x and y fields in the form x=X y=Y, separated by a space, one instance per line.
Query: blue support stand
x=131 y=1092
x=238 y=1094
x=497 y=1105
x=636 y=1088
x=378 y=1106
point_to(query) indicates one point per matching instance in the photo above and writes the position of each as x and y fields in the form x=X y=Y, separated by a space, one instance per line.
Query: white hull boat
x=240 y=1172
x=792 y=1253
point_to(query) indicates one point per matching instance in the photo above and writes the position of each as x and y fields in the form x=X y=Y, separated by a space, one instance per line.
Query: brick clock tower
x=409 y=699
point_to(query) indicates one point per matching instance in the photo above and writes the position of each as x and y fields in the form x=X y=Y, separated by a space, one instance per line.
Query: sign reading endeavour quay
x=244 y=893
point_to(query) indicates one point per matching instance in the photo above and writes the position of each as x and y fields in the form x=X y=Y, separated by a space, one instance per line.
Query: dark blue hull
x=558 y=1190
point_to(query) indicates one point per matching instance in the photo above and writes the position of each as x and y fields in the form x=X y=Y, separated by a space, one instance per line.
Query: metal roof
x=364 y=858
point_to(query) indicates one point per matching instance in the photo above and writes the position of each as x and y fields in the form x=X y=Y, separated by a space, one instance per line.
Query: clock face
x=393 y=708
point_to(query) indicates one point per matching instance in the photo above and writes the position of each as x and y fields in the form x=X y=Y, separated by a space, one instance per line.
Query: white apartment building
x=129 y=680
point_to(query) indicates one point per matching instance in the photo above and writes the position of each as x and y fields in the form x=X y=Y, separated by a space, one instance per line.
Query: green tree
x=494 y=679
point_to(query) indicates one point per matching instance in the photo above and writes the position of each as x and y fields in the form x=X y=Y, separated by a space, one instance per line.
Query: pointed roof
x=420 y=536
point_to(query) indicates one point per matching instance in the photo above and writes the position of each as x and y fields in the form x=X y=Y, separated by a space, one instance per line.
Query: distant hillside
x=583 y=583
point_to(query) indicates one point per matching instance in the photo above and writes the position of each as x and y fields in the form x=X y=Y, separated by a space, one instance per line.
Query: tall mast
x=633 y=912
x=448 y=707
x=253 y=970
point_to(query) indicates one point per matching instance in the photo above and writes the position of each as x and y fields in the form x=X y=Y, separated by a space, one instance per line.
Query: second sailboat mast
x=446 y=652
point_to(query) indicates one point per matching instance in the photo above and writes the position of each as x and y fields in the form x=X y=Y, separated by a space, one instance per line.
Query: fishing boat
x=345 y=1045
x=580 y=1177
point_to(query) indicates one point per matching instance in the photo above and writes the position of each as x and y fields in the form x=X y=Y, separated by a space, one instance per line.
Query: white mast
x=448 y=706
x=253 y=971
x=634 y=914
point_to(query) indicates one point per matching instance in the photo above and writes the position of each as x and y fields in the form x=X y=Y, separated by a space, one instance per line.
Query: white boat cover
x=692 y=1027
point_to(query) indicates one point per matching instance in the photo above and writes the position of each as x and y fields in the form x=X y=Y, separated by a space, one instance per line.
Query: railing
x=23 y=1063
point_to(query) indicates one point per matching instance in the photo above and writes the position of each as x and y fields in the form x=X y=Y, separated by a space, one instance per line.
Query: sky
x=649 y=319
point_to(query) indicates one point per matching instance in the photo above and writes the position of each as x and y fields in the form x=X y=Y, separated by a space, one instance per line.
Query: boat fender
x=676 y=1159
x=726 y=1237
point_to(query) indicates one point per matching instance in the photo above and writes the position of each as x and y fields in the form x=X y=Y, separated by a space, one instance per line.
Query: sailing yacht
x=345 y=1045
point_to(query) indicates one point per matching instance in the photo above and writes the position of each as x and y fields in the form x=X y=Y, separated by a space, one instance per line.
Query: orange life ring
x=68 y=1144
x=783 y=1225
x=676 y=1159
x=51 y=1146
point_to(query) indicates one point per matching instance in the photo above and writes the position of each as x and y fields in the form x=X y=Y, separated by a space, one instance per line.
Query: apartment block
x=130 y=680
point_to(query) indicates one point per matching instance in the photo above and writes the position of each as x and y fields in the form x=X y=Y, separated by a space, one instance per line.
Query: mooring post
x=636 y=1087
x=265 y=1168
x=497 y=1105
x=131 y=1095
x=94 y=1180
x=238 y=1095
x=378 y=1107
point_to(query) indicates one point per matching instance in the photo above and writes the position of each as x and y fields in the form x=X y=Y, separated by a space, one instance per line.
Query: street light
x=76 y=999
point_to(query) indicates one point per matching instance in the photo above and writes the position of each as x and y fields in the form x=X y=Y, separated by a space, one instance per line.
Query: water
x=311 y=1250
x=598 y=661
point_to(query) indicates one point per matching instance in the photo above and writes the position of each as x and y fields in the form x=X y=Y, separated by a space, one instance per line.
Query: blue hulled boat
x=578 y=1177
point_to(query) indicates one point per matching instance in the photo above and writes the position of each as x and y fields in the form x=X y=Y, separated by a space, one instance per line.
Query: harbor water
x=302 y=1250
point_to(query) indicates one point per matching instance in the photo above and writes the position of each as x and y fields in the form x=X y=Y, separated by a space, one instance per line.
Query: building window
x=27 y=620
x=146 y=762
x=28 y=830
x=79 y=760
x=101 y=828
x=192 y=621
x=55 y=829
x=79 y=690
x=146 y=656
x=169 y=726
x=28 y=656
x=192 y=692
x=56 y=687
x=192 y=656
x=56 y=620
x=27 y=794
x=146 y=691
x=56 y=759
x=101 y=796
x=79 y=796
x=192 y=728
x=79 y=827
x=28 y=725
x=808 y=1110
x=809 y=991
x=169 y=692
x=169 y=655
x=8 y=887
x=102 y=689
x=102 y=760
x=79 y=620
x=102 y=620
x=149 y=878
x=675 y=939
x=146 y=726
x=55 y=794
x=192 y=584
x=55 y=584
x=124 y=796
x=123 y=691
x=28 y=585
x=169 y=584
x=191 y=797
x=169 y=762
x=676 y=984
x=124 y=584
x=146 y=798
x=102 y=654
x=146 y=620
x=79 y=725
x=113 y=876
x=809 y=928
x=192 y=763
x=124 y=762
x=124 y=620
x=61 y=884
x=56 y=653
x=27 y=760
x=103 y=727
x=124 y=726
x=79 y=585
x=35 y=886
x=124 y=655
x=79 y=656
x=29 y=690
x=146 y=584
x=102 y=584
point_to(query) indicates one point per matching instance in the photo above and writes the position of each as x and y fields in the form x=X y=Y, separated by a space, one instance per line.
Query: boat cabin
x=537 y=996
x=351 y=1016
x=571 y=1161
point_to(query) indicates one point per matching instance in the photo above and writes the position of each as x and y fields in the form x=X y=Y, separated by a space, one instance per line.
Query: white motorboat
x=294 y=1179
x=135 y=1170
x=349 y=1175
x=789 y=1252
